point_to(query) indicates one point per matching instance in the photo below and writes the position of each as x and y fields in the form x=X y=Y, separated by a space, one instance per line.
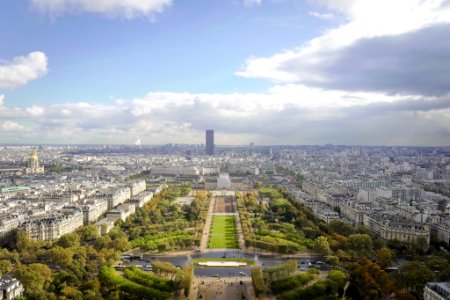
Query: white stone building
x=137 y=187
x=93 y=210
x=436 y=291
x=10 y=288
x=53 y=225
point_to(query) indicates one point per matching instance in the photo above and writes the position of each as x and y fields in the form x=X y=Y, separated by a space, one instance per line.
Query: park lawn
x=223 y=241
x=223 y=233
x=223 y=225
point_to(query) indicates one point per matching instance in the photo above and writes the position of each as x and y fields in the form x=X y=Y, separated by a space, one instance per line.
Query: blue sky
x=267 y=71
x=191 y=47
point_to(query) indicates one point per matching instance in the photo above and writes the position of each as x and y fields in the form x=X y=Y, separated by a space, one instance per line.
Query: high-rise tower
x=209 y=142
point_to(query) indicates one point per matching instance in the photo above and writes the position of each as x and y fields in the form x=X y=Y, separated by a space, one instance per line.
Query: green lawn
x=223 y=233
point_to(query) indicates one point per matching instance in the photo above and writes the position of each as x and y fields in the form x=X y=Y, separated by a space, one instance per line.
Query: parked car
x=148 y=267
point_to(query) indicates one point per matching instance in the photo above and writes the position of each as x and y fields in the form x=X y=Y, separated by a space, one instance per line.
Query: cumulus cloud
x=395 y=55
x=23 y=69
x=2 y=98
x=35 y=111
x=9 y=126
x=128 y=9
x=284 y=114
x=413 y=63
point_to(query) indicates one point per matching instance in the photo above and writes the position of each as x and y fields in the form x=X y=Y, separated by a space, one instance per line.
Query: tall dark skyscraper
x=209 y=142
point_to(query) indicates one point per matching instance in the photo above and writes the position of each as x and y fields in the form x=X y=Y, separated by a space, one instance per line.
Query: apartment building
x=93 y=210
x=137 y=187
x=392 y=228
x=52 y=226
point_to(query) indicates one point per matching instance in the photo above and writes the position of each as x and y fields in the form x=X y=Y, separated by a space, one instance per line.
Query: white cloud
x=23 y=69
x=35 y=111
x=66 y=112
x=284 y=114
x=128 y=9
x=8 y=126
x=365 y=20
x=2 y=98
x=250 y=3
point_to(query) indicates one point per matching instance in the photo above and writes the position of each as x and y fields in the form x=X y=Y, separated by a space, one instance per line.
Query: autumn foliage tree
x=369 y=281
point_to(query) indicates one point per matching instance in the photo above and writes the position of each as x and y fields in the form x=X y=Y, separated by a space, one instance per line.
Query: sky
x=356 y=72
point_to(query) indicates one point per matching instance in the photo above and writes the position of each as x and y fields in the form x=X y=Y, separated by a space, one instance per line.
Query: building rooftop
x=442 y=288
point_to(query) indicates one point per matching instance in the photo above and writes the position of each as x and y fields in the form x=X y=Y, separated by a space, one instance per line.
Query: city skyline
x=263 y=71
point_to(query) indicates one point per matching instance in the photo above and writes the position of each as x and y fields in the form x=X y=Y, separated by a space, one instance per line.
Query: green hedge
x=336 y=280
x=146 y=279
x=281 y=271
x=292 y=282
x=188 y=278
x=164 y=241
x=132 y=290
x=258 y=281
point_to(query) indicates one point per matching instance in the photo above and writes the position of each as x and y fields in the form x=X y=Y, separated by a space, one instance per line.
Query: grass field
x=223 y=233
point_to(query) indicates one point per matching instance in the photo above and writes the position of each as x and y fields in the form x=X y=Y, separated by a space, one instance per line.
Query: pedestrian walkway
x=239 y=231
x=205 y=237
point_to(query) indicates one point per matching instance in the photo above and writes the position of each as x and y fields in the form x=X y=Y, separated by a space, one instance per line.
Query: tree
x=186 y=281
x=343 y=256
x=23 y=241
x=165 y=269
x=60 y=256
x=333 y=260
x=337 y=242
x=385 y=257
x=70 y=292
x=35 y=277
x=414 y=275
x=89 y=233
x=420 y=246
x=439 y=264
x=341 y=227
x=102 y=242
x=120 y=244
x=321 y=246
x=5 y=254
x=360 y=243
x=5 y=266
x=91 y=288
x=336 y=279
x=65 y=278
x=369 y=281
x=70 y=240
x=116 y=232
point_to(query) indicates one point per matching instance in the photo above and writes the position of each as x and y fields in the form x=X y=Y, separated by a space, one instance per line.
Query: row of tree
x=79 y=265
x=162 y=225
x=354 y=248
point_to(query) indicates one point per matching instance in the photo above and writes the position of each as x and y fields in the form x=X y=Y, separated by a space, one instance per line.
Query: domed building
x=33 y=164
